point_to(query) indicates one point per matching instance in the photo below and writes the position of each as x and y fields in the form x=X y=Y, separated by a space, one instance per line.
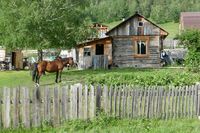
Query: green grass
x=172 y=28
x=115 y=125
x=144 y=77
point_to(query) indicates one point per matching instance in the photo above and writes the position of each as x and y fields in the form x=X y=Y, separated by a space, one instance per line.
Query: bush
x=191 y=40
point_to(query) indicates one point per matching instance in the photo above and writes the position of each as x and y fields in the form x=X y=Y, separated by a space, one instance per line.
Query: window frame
x=135 y=46
x=87 y=51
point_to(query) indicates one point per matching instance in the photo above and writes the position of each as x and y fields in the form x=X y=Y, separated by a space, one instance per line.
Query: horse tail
x=35 y=71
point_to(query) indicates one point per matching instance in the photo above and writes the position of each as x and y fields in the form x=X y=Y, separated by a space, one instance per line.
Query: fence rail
x=31 y=107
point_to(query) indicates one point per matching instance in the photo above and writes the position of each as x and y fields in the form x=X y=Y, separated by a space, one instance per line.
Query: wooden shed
x=91 y=51
x=189 y=20
x=135 y=42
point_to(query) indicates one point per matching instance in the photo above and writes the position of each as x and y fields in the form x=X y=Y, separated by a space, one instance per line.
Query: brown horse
x=49 y=66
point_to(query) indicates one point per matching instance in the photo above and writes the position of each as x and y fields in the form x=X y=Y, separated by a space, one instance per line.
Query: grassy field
x=114 y=125
x=144 y=77
x=171 y=27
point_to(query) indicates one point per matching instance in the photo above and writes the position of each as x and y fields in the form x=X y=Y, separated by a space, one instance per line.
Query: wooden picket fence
x=31 y=107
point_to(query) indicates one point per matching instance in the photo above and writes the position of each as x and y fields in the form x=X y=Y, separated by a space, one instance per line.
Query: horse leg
x=60 y=74
x=57 y=76
x=39 y=74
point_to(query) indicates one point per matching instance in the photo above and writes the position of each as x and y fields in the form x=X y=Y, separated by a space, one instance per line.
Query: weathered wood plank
x=153 y=101
x=164 y=104
x=47 y=105
x=133 y=103
x=156 y=102
x=119 y=102
x=178 y=102
x=106 y=99
x=160 y=102
x=80 y=101
x=6 y=108
x=193 y=101
x=175 y=102
x=125 y=102
x=189 y=101
x=144 y=102
x=110 y=100
x=64 y=103
x=15 y=108
x=56 y=104
x=92 y=102
x=128 y=105
x=198 y=101
x=168 y=104
x=25 y=107
x=185 y=102
x=98 y=100
x=148 y=103
x=115 y=101
x=86 y=103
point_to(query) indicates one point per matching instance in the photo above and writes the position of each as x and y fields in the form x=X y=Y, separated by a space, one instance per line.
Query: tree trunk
x=40 y=55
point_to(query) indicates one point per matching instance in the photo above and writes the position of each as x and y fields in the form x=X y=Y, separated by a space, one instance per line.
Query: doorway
x=99 y=49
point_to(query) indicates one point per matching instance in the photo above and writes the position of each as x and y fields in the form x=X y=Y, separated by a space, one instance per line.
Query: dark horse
x=70 y=62
x=49 y=66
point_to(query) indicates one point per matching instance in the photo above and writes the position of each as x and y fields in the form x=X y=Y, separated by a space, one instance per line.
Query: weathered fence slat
x=6 y=108
x=15 y=107
x=47 y=104
x=98 y=100
x=56 y=118
x=110 y=100
x=86 y=103
x=92 y=102
x=115 y=101
x=119 y=102
x=133 y=103
x=64 y=104
x=80 y=102
x=25 y=107
x=105 y=92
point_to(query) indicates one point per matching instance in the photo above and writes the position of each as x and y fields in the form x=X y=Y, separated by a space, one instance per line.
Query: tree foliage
x=42 y=24
x=161 y=11
x=191 y=40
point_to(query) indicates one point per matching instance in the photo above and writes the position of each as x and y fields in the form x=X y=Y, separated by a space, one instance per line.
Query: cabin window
x=141 y=47
x=140 y=24
x=140 y=28
x=99 y=49
x=87 y=51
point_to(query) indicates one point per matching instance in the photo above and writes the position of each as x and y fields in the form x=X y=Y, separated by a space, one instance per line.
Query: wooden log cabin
x=135 y=42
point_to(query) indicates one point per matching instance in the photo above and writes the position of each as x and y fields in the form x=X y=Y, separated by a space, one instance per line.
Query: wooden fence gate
x=31 y=107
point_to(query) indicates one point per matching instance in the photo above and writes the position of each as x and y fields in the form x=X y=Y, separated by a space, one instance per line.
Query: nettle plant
x=191 y=40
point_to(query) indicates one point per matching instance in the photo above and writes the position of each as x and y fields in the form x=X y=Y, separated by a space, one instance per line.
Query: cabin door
x=99 y=49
